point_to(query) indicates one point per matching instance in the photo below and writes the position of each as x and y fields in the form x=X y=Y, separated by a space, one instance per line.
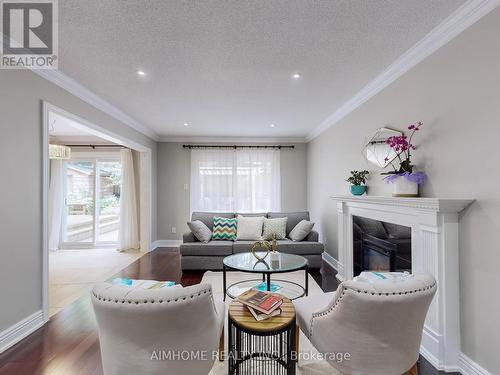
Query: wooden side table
x=267 y=347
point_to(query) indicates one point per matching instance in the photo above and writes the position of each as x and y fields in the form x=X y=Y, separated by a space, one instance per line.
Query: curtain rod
x=279 y=147
x=97 y=146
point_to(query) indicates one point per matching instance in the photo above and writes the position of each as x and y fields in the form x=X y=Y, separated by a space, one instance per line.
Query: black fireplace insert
x=380 y=246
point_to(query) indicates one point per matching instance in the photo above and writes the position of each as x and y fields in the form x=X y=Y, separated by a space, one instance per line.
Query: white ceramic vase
x=402 y=187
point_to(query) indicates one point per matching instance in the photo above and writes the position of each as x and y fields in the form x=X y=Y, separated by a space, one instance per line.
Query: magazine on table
x=261 y=316
x=263 y=302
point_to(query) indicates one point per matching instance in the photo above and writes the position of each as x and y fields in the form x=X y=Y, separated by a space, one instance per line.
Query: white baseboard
x=331 y=261
x=20 y=330
x=469 y=367
x=165 y=243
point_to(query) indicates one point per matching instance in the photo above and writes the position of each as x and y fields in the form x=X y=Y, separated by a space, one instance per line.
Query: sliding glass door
x=92 y=202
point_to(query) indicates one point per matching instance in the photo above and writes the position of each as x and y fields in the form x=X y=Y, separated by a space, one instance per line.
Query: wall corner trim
x=469 y=367
x=77 y=89
x=20 y=330
x=465 y=16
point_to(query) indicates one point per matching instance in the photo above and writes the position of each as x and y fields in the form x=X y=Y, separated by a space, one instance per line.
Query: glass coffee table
x=246 y=262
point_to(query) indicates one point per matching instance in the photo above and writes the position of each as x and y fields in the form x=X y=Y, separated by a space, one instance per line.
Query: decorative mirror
x=377 y=151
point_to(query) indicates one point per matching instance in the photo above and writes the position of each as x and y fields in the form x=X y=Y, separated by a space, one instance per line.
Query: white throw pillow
x=274 y=226
x=249 y=228
x=301 y=230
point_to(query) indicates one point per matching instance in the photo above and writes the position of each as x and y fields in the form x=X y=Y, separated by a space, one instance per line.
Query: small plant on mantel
x=358 y=181
x=404 y=177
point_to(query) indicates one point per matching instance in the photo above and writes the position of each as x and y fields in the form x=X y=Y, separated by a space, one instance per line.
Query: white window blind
x=241 y=180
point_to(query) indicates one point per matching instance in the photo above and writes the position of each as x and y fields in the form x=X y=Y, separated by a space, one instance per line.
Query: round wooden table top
x=242 y=317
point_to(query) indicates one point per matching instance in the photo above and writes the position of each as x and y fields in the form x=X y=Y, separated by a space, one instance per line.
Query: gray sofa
x=200 y=256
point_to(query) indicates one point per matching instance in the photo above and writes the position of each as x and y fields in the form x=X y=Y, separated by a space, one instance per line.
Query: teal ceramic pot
x=358 y=189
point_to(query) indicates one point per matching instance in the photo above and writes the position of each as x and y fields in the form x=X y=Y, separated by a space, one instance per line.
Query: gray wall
x=174 y=165
x=21 y=95
x=455 y=92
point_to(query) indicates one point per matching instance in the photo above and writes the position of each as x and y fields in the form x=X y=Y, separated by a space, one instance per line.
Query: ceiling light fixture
x=272 y=125
x=141 y=72
x=186 y=124
x=296 y=76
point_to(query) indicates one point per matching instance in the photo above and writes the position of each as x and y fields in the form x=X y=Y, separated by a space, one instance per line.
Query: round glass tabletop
x=282 y=263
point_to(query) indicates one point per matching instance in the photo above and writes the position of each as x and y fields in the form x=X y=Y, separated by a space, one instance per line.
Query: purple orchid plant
x=402 y=145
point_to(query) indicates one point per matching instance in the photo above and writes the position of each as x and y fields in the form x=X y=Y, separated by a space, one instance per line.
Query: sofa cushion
x=284 y=246
x=300 y=248
x=225 y=228
x=207 y=218
x=242 y=246
x=301 y=230
x=213 y=248
x=276 y=226
x=200 y=230
x=249 y=228
x=293 y=218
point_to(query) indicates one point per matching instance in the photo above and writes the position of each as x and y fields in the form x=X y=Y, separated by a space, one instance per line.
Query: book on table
x=261 y=316
x=263 y=302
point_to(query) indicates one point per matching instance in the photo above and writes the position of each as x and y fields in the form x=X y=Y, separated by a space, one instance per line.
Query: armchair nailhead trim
x=345 y=289
x=101 y=298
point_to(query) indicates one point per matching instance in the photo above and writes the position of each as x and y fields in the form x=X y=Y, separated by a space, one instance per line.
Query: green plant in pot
x=358 y=181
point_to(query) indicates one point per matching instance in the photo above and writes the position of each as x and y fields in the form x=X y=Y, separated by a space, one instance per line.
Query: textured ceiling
x=225 y=67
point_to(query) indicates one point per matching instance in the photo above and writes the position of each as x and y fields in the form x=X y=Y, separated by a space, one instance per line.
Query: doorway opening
x=96 y=186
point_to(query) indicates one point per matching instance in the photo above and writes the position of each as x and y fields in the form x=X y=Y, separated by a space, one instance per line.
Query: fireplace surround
x=434 y=244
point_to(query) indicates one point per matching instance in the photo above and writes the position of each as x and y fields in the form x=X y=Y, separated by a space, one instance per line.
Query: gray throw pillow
x=274 y=226
x=200 y=231
x=301 y=230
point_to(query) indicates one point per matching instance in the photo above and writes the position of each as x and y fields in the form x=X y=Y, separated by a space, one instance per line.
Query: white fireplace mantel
x=434 y=230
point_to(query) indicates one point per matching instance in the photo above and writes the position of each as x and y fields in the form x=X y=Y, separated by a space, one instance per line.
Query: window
x=241 y=180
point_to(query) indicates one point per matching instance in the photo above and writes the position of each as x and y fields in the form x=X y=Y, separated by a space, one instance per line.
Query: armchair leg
x=413 y=370
x=221 y=347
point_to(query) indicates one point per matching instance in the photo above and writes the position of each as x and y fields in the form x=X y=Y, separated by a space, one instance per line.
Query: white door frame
x=146 y=184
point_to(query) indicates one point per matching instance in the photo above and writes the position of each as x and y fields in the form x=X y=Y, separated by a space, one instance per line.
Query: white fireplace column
x=434 y=248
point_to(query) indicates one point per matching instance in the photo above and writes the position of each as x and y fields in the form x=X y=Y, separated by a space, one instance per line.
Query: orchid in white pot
x=404 y=178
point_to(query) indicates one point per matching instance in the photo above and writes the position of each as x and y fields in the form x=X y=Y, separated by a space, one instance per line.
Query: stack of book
x=262 y=305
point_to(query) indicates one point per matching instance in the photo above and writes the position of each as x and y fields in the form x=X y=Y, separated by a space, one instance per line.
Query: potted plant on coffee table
x=358 y=181
x=404 y=178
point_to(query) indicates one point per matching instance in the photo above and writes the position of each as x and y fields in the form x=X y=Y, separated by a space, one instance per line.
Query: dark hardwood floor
x=68 y=344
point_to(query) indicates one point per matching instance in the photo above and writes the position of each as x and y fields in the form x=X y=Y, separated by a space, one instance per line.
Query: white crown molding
x=20 y=330
x=69 y=84
x=458 y=21
x=224 y=140
x=469 y=367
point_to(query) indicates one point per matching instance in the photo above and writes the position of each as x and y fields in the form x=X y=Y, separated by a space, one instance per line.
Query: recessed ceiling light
x=141 y=72
x=272 y=125
x=186 y=124
x=296 y=76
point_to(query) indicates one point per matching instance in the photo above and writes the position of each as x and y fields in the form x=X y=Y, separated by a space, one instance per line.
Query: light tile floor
x=74 y=272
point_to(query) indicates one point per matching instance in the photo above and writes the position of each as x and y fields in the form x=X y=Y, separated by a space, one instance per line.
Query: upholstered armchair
x=144 y=331
x=378 y=325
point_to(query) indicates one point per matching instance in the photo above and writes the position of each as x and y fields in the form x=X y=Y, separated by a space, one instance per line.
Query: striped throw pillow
x=224 y=229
